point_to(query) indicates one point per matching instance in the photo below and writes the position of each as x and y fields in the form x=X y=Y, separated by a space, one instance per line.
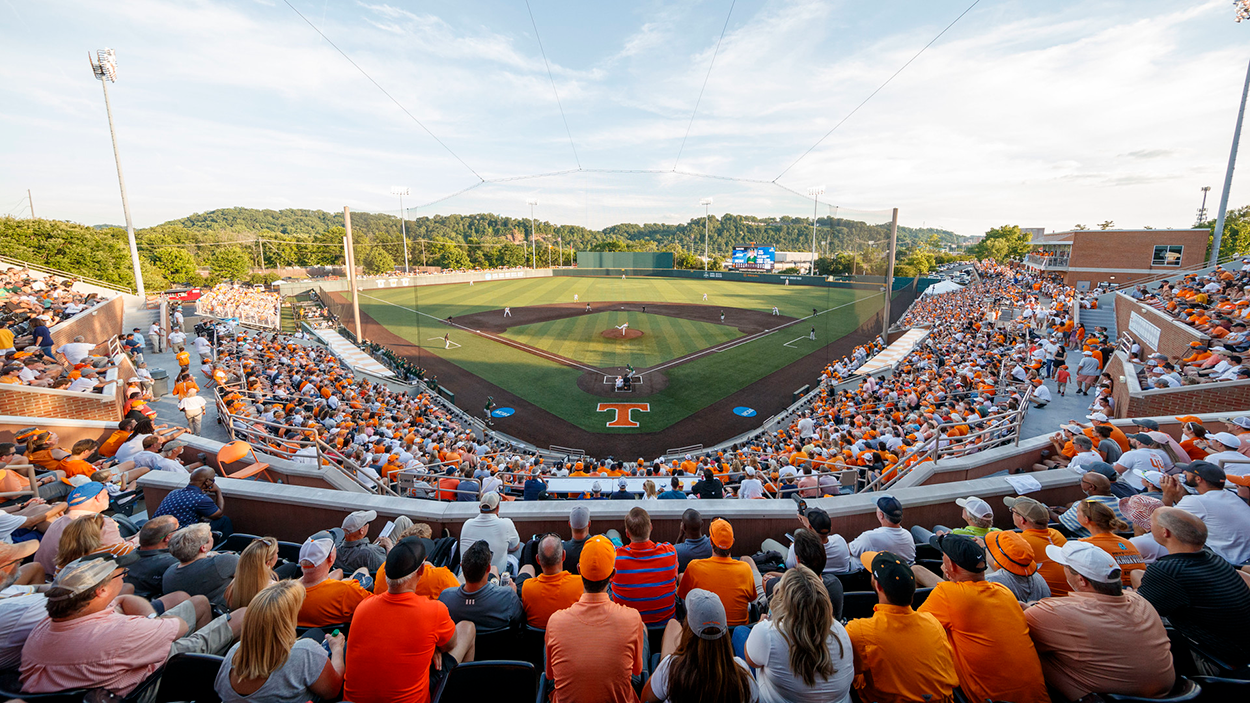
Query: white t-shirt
x=751 y=488
x=20 y=611
x=499 y=533
x=885 y=539
x=805 y=427
x=1143 y=460
x=1149 y=548
x=1042 y=393
x=192 y=405
x=837 y=557
x=82 y=384
x=76 y=351
x=767 y=648
x=659 y=678
x=9 y=523
x=1228 y=523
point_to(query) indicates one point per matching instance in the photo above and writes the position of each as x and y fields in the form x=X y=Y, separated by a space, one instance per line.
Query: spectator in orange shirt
x=125 y=430
x=554 y=589
x=900 y=655
x=330 y=599
x=733 y=581
x=1102 y=524
x=1033 y=520
x=993 y=654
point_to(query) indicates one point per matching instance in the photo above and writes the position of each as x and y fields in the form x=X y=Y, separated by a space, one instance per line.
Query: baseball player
x=722 y=315
x=490 y=405
x=812 y=336
x=447 y=341
x=705 y=296
x=775 y=311
x=507 y=312
x=575 y=297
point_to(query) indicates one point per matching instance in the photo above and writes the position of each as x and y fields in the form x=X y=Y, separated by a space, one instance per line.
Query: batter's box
x=634 y=380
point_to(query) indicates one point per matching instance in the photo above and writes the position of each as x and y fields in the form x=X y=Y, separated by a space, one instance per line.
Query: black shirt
x=709 y=489
x=622 y=494
x=147 y=574
x=1204 y=598
x=573 y=554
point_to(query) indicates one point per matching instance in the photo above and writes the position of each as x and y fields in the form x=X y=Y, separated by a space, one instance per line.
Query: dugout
x=625 y=260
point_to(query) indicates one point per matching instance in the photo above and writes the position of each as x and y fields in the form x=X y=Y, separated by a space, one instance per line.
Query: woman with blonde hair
x=1102 y=523
x=698 y=664
x=269 y=664
x=253 y=573
x=84 y=536
x=802 y=652
x=648 y=490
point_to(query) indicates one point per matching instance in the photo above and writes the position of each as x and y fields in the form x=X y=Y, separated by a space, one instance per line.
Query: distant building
x=801 y=260
x=1087 y=258
x=1034 y=232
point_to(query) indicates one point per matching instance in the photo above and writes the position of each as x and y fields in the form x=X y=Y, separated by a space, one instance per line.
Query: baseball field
x=548 y=351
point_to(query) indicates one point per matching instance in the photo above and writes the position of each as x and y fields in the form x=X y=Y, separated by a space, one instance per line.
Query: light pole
x=815 y=192
x=1243 y=13
x=105 y=68
x=706 y=203
x=533 y=202
x=401 y=191
x=1202 y=211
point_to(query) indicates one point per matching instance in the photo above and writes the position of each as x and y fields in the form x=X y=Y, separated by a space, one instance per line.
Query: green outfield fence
x=625 y=260
x=854 y=282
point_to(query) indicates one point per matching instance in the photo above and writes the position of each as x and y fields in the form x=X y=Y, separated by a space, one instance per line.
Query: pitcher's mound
x=616 y=334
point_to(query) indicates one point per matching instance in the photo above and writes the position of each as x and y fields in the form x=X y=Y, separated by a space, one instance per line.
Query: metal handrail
x=1164 y=275
x=66 y=274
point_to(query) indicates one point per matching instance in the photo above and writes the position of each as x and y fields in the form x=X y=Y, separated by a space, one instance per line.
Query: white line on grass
x=792 y=341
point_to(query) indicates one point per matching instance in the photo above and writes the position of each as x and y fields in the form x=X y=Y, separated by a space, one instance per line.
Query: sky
x=1037 y=114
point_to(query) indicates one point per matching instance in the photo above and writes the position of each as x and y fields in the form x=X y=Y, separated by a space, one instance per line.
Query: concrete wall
x=95 y=325
x=367 y=284
x=1173 y=336
x=1133 y=401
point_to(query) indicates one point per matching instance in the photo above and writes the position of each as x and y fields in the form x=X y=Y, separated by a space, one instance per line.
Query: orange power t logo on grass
x=622 y=413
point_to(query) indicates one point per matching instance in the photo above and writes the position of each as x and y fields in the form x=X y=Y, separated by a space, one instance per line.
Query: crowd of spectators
x=254 y=305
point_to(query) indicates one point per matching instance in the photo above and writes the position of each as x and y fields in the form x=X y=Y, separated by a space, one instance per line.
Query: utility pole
x=31 y=200
x=533 y=202
x=261 y=242
x=349 y=251
x=815 y=192
x=401 y=191
x=706 y=203
x=105 y=68
x=889 y=276
x=1228 y=175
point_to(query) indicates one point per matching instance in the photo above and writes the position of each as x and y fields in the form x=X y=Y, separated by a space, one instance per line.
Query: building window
x=1168 y=255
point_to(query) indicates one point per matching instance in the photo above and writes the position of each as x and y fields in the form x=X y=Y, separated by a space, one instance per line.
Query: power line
x=553 y=83
x=379 y=87
x=705 y=79
x=878 y=90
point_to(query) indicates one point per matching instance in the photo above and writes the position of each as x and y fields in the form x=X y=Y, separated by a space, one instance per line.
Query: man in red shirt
x=646 y=572
x=396 y=635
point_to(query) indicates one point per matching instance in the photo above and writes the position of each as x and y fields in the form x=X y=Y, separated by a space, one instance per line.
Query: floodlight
x=531 y=201
x=399 y=190
x=105 y=65
x=705 y=201
x=1242 y=9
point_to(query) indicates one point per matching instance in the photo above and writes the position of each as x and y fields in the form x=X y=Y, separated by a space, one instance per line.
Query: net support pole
x=889 y=277
x=349 y=251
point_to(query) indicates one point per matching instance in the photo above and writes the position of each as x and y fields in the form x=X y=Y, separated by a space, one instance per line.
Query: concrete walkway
x=166 y=407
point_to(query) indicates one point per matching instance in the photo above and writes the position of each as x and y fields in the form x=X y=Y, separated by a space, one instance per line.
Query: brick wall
x=1125 y=251
x=95 y=325
x=46 y=402
x=1174 y=337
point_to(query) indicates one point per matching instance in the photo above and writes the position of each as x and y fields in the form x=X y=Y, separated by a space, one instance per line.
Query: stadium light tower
x=401 y=191
x=1242 y=13
x=104 y=66
x=815 y=192
x=533 y=203
x=706 y=203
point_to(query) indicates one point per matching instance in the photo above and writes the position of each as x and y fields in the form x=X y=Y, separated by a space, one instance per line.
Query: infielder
x=447 y=341
x=705 y=296
x=812 y=336
x=575 y=297
x=775 y=312
x=507 y=312
x=722 y=315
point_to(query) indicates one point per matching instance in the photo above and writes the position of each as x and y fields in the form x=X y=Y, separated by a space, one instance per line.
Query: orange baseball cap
x=1238 y=480
x=598 y=559
x=722 y=533
x=1011 y=551
x=1189 y=418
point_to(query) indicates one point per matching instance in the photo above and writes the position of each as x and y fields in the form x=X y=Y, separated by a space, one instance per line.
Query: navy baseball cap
x=891 y=508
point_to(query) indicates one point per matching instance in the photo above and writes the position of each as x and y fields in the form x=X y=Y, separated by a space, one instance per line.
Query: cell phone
x=802 y=507
x=387 y=529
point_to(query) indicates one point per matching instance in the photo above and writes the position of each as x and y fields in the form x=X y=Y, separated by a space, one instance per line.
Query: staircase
x=1104 y=316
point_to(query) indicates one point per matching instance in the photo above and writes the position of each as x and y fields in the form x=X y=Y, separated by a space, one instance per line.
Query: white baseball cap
x=1154 y=478
x=1242 y=421
x=1227 y=439
x=1097 y=417
x=1088 y=560
x=975 y=506
x=315 y=551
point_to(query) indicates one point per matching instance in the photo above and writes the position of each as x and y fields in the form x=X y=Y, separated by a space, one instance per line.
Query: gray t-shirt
x=289 y=684
x=1026 y=588
x=492 y=608
x=206 y=577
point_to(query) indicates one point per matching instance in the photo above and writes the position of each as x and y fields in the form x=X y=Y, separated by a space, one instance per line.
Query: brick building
x=1116 y=256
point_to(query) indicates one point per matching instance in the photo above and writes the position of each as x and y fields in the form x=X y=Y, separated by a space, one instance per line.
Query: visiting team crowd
x=249 y=304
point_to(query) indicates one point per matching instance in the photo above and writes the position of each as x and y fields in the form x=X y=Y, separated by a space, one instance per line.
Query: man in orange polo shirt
x=1033 y=520
x=900 y=655
x=731 y=580
x=993 y=654
x=330 y=599
x=595 y=647
x=554 y=589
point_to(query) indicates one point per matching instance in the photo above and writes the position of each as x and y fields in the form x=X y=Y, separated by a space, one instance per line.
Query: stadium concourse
x=1063 y=607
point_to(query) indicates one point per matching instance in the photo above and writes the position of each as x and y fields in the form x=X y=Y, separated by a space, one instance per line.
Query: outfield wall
x=289 y=288
x=625 y=259
x=853 y=282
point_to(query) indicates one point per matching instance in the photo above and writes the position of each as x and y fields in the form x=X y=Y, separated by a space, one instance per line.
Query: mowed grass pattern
x=581 y=338
x=553 y=386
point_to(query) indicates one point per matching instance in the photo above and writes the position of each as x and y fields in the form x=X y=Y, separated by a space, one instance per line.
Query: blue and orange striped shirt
x=646 y=580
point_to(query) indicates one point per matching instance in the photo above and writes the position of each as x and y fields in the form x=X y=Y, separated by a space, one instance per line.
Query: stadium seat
x=288 y=551
x=497 y=645
x=1214 y=661
x=933 y=565
x=1184 y=690
x=922 y=594
x=189 y=677
x=858 y=604
x=545 y=687
x=1216 y=689
x=237 y=451
x=236 y=542
x=533 y=645
x=507 y=681
x=856 y=581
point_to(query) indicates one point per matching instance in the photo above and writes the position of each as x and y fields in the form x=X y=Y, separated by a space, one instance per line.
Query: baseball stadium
x=706 y=358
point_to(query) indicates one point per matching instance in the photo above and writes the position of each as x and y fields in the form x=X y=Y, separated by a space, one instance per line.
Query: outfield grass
x=553 y=386
x=663 y=338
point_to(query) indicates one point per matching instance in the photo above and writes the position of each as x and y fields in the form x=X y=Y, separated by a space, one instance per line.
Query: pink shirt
x=46 y=555
x=102 y=650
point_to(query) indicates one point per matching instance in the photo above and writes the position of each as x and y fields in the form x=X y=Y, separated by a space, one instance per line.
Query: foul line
x=792 y=341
